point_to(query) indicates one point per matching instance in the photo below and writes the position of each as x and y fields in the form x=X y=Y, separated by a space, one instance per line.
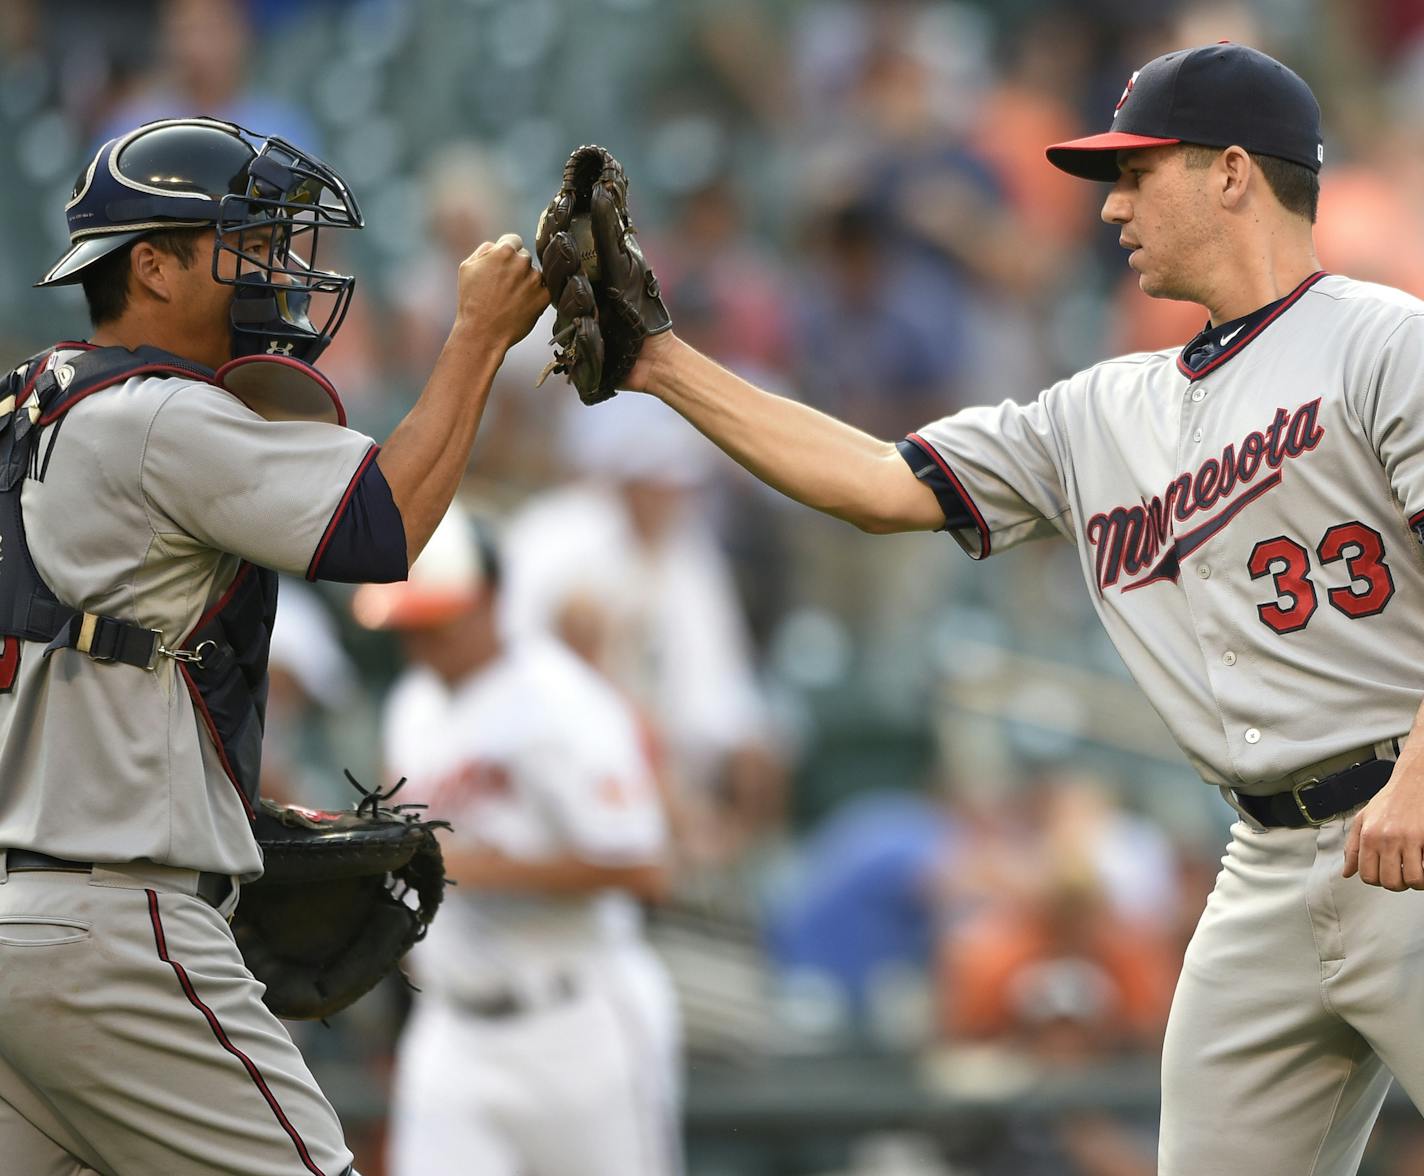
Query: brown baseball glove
x=605 y=295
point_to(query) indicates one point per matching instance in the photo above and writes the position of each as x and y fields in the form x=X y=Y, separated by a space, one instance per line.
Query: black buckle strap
x=505 y=1003
x=44 y=617
x=1313 y=802
x=106 y=639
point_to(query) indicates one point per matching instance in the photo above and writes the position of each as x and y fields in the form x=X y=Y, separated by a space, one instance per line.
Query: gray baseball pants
x=1301 y=993
x=133 y=1040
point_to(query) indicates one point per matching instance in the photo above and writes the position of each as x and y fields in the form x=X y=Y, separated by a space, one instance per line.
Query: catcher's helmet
x=195 y=172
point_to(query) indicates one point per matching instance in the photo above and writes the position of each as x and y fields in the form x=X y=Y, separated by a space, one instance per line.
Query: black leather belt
x=1313 y=802
x=213 y=889
x=497 y=1006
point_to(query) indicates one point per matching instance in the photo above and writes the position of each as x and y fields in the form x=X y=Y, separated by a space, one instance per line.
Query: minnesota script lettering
x=1144 y=537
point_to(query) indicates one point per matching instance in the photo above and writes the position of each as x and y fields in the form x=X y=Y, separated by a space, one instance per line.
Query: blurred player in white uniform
x=544 y=1038
x=624 y=564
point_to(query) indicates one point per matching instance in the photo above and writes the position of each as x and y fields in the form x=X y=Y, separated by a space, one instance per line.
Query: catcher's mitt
x=327 y=919
x=606 y=297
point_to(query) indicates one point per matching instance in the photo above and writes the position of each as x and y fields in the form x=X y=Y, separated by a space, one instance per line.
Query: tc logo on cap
x=1126 y=90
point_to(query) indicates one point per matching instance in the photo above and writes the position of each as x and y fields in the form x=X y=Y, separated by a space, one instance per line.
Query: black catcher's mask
x=268 y=202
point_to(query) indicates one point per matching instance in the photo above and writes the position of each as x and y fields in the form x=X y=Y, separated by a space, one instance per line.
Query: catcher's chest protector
x=223 y=661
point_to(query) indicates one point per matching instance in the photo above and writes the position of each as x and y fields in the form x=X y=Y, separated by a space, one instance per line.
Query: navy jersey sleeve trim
x=929 y=467
x=365 y=540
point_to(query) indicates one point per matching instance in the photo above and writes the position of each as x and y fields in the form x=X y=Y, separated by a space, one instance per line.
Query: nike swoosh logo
x=1225 y=339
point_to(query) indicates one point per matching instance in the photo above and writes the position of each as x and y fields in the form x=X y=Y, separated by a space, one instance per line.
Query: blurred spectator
x=1032 y=103
x=1370 y=225
x=881 y=343
x=1073 y=963
x=834 y=40
x=929 y=264
x=624 y=566
x=353 y=361
x=1201 y=22
x=859 y=911
x=465 y=202
x=731 y=296
x=1062 y=978
x=739 y=40
x=205 y=50
x=936 y=187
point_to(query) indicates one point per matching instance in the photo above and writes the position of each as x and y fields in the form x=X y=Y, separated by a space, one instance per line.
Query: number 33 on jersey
x=1244 y=520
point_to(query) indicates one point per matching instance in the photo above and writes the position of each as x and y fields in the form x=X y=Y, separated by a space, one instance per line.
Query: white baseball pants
x=578 y=1088
x=133 y=1040
x=1300 y=993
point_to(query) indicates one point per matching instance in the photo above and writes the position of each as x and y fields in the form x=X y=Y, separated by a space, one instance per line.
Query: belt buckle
x=1300 y=804
x=156 y=650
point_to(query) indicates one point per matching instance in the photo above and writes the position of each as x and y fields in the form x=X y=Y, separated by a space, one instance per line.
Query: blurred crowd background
x=937 y=862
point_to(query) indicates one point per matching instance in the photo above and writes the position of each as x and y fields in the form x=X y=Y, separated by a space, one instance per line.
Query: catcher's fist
x=500 y=290
x=587 y=247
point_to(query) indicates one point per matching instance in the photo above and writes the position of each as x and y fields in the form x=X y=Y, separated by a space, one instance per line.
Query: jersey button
x=1203 y=571
x=1197 y=436
x=1228 y=658
x=1198 y=394
x=1253 y=735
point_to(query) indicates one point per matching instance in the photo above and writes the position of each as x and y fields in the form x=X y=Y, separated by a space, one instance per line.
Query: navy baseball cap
x=1220 y=95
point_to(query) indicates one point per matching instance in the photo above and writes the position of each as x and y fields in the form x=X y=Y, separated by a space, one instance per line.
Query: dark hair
x=106 y=282
x=491 y=564
x=1293 y=184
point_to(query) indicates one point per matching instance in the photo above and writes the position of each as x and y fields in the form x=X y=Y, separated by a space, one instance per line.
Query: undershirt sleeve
x=365 y=540
x=956 y=511
x=1004 y=465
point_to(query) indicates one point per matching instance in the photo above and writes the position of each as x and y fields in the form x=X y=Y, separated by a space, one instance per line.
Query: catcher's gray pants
x=1300 y=992
x=134 y=1042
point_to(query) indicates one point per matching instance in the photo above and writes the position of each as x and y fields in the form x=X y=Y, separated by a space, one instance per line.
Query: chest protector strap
x=223 y=661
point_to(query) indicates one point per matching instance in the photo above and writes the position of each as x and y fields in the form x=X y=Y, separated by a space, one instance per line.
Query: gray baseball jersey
x=1244 y=528
x=151 y=496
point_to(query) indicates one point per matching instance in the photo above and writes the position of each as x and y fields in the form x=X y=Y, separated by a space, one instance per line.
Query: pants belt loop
x=1228 y=794
x=150 y=873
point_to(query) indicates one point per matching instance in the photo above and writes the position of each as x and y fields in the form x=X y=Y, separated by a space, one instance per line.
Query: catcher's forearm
x=500 y=296
x=424 y=459
x=792 y=447
x=563 y=875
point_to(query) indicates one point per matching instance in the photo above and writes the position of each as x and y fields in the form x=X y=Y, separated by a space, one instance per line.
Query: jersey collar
x=1215 y=345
